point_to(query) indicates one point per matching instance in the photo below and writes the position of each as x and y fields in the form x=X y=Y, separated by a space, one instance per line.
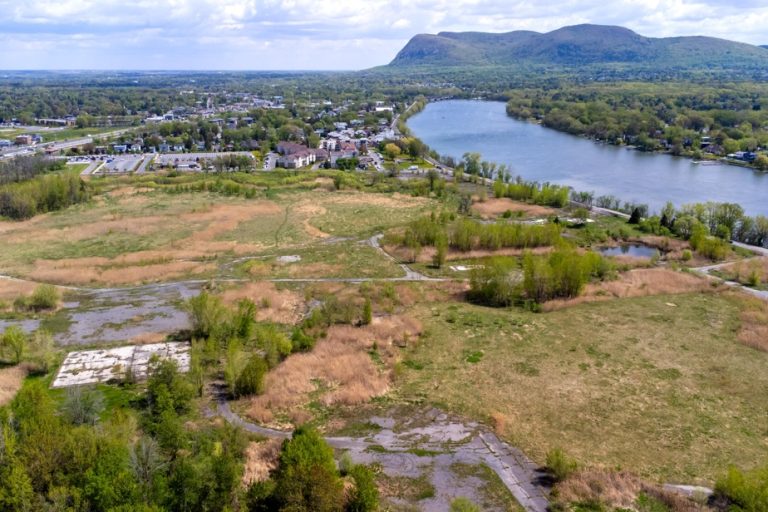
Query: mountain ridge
x=574 y=46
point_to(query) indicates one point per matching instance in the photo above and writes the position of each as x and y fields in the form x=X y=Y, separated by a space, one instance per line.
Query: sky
x=317 y=34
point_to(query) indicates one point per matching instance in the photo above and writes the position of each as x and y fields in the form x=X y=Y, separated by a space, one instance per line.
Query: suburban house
x=297 y=159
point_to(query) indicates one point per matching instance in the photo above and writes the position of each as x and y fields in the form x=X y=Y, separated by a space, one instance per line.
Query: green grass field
x=657 y=385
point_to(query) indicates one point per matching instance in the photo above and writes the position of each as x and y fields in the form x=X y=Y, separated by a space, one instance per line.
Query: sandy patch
x=637 y=283
x=11 y=380
x=282 y=306
x=341 y=365
x=492 y=208
x=260 y=459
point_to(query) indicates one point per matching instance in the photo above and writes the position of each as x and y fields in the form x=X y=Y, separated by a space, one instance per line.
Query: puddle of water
x=634 y=250
x=27 y=326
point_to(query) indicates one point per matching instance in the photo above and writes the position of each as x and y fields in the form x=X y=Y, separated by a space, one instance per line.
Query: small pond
x=634 y=250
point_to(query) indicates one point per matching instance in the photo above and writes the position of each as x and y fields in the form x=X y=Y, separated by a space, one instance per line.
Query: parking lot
x=121 y=164
x=192 y=161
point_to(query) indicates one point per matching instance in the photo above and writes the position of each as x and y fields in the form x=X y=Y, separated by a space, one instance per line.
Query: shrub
x=746 y=491
x=208 y=314
x=251 y=379
x=441 y=250
x=301 y=341
x=365 y=496
x=274 y=343
x=494 y=284
x=463 y=505
x=15 y=341
x=687 y=255
x=559 y=464
x=45 y=296
x=562 y=274
x=306 y=479
x=82 y=405
x=367 y=312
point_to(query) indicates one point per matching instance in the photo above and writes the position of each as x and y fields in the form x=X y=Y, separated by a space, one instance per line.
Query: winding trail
x=429 y=445
x=707 y=272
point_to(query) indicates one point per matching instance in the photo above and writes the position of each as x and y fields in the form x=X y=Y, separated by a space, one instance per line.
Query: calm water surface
x=537 y=153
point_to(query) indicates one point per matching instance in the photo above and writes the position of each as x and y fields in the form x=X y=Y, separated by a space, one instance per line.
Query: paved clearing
x=98 y=366
x=430 y=445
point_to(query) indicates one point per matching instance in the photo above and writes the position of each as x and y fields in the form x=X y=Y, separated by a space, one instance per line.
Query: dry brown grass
x=146 y=338
x=493 y=208
x=11 y=380
x=10 y=289
x=180 y=258
x=260 y=459
x=339 y=370
x=616 y=490
x=282 y=306
x=753 y=331
x=309 y=210
x=743 y=271
x=104 y=271
x=402 y=253
x=637 y=283
x=396 y=200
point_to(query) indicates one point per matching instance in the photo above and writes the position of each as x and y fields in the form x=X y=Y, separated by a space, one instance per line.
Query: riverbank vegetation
x=694 y=120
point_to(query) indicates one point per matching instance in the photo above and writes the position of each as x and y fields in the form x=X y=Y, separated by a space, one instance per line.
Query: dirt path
x=430 y=445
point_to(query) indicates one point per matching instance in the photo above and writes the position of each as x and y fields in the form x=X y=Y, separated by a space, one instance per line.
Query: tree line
x=688 y=120
x=41 y=194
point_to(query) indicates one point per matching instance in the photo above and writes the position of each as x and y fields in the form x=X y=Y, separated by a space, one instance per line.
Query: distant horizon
x=303 y=35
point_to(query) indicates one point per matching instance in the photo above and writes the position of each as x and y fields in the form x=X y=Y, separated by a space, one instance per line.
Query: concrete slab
x=103 y=365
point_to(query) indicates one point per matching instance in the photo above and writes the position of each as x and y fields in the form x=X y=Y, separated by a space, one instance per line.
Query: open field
x=658 y=385
x=131 y=235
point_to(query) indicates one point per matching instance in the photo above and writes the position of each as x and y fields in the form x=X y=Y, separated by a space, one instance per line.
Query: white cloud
x=331 y=34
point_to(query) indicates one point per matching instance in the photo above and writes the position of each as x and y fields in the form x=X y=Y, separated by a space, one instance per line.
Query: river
x=537 y=153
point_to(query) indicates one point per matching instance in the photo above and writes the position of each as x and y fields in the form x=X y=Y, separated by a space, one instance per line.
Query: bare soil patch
x=637 y=283
x=282 y=306
x=493 y=208
x=339 y=370
x=11 y=380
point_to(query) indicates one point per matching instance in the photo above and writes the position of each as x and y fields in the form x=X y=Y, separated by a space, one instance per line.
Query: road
x=148 y=159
